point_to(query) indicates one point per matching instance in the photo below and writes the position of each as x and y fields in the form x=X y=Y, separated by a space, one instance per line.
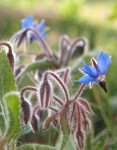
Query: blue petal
x=27 y=22
x=91 y=71
x=40 y=28
x=43 y=34
x=103 y=62
x=86 y=79
x=41 y=25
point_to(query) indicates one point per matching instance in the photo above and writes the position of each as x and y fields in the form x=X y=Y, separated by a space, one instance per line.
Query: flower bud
x=26 y=111
x=10 y=54
x=85 y=122
x=86 y=105
x=78 y=47
x=80 y=139
x=35 y=122
x=85 y=125
x=45 y=93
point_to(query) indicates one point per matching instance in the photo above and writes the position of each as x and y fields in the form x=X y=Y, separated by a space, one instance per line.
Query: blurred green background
x=94 y=19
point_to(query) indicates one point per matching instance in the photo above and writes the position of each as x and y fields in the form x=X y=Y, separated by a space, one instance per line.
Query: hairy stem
x=25 y=89
x=71 y=51
x=79 y=92
x=47 y=50
x=57 y=100
x=60 y=82
x=66 y=75
x=53 y=109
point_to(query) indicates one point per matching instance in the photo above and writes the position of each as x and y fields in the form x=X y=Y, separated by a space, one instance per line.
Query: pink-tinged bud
x=78 y=47
x=85 y=125
x=45 y=93
x=10 y=54
x=85 y=122
x=80 y=139
x=64 y=47
x=86 y=105
x=26 y=111
x=35 y=123
x=11 y=58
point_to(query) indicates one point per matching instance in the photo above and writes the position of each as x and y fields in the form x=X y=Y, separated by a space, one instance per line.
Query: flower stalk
x=55 y=76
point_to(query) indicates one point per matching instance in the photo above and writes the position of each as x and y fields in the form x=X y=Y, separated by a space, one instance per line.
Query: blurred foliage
x=70 y=8
x=113 y=15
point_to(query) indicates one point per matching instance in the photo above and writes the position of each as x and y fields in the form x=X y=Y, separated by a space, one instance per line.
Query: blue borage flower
x=28 y=22
x=96 y=72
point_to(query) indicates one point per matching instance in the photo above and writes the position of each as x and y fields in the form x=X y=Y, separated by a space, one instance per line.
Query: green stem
x=12 y=145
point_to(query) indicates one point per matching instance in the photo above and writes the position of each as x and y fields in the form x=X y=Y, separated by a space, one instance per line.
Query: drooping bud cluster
x=77 y=108
x=70 y=116
x=82 y=111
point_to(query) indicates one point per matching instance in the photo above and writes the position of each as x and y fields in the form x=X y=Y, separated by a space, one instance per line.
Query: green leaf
x=113 y=145
x=25 y=130
x=2 y=122
x=12 y=109
x=2 y=125
x=35 y=147
x=99 y=141
x=71 y=144
x=7 y=81
x=36 y=65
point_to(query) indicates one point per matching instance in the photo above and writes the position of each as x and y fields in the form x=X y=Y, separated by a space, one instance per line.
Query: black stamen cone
x=103 y=85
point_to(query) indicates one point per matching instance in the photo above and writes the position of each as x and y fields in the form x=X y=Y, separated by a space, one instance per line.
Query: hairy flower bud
x=26 y=111
x=78 y=47
x=35 y=122
x=10 y=54
x=80 y=139
x=45 y=93
x=86 y=105
x=85 y=125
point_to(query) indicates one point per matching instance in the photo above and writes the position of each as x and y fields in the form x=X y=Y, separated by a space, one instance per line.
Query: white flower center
x=101 y=78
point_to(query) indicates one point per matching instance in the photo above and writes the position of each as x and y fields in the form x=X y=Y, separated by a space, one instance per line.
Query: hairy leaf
x=25 y=130
x=2 y=122
x=2 y=125
x=12 y=109
x=35 y=147
x=7 y=82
